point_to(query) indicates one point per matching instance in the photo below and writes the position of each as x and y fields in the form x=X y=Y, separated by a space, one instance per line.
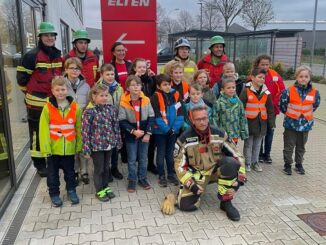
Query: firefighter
x=34 y=76
x=204 y=154
x=88 y=59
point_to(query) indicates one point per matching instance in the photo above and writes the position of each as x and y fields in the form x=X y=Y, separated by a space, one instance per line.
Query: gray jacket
x=82 y=91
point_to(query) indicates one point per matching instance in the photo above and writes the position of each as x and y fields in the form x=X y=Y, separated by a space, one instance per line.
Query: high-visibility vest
x=255 y=106
x=185 y=89
x=297 y=107
x=62 y=126
x=162 y=104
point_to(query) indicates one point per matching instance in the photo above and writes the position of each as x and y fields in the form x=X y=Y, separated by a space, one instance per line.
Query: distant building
x=96 y=36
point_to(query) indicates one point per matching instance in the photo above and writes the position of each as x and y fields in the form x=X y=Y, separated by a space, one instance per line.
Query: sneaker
x=72 y=195
x=85 y=179
x=261 y=159
x=231 y=212
x=56 y=201
x=131 y=186
x=162 y=181
x=116 y=174
x=268 y=160
x=256 y=166
x=102 y=196
x=299 y=169
x=43 y=172
x=109 y=192
x=287 y=170
x=144 y=183
x=248 y=168
x=173 y=180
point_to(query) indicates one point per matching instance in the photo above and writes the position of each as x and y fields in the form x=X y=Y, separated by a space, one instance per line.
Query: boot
x=42 y=172
x=116 y=174
x=231 y=212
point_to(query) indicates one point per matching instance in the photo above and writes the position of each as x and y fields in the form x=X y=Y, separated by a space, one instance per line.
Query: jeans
x=66 y=163
x=101 y=161
x=137 y=150
x=165 y=148
x=251 y=149
x=266 y=144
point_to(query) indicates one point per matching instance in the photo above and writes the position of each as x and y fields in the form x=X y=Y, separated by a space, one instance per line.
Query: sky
x=283 y=10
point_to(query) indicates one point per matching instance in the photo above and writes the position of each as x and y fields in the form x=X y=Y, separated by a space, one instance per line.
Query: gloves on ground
x=168 y=204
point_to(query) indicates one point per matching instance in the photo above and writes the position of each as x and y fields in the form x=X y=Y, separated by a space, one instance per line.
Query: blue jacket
x=301 y=124
x=174 y=112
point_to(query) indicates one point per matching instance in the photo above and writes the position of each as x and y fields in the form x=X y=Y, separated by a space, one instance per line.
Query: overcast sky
x=283 y=9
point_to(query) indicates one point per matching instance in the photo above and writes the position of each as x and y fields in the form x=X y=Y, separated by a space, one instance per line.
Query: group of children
x=80 y=123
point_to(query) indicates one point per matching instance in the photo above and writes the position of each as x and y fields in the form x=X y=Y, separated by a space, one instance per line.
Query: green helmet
x=216 y=40
x=81 y=34
x=46 y=27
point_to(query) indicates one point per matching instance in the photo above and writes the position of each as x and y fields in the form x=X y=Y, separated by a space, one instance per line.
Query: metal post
x=324 y=63
x=313 y=36
x=201 y=14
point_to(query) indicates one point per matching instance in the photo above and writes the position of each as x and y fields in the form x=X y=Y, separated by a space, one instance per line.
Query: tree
x=257 y=13
x=229 y=9
x=211 y=19
x=185 y=20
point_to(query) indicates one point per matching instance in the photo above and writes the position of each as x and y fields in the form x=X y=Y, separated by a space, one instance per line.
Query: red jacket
x=90 y=66
x=275 y=85
x=215 y=71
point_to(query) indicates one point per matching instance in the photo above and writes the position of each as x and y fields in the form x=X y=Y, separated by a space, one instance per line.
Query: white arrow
x=120 y=39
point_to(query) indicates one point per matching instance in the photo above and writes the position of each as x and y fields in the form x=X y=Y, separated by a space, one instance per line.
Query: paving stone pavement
x=268 y=203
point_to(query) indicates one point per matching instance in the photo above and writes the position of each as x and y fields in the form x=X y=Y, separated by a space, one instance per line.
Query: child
x=228 y=112
x=115 y=92
x=177 y=84
x=140 y=68
x=168 y=111
x=228 y=71
x=202 y=78
x=259 y=111
x=298 y=102
x=60 y=139
x=100 y=134
x=78 y=88
x=195 y=100
x=136 y=118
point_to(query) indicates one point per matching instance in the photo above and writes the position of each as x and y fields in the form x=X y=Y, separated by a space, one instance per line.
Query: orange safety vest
x=60 y=126
x=255 y=106
x=297 y=107
x=185 y=89
x=162 y=104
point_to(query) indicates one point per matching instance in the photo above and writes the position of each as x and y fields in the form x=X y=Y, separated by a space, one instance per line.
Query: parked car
x=164 y=55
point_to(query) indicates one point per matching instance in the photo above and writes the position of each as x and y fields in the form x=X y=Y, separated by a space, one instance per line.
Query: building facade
x=19 y=20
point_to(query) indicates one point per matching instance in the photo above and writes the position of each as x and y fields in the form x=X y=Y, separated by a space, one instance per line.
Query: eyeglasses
x=200 y=119
x=74 y=68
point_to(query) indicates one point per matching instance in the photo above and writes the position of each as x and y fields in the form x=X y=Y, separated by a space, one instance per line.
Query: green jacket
x=230 y=117
x=61 y=146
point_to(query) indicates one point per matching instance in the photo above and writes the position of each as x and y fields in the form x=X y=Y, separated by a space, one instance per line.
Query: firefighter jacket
x=215 y=71
x=90 y=66
x=60 y=130
x=168 y=111
x=258 y=126
x=79 y=91
x=135 y=117
x=193 y=157
x=189 y=70
x=303 y=93
x=34 y=76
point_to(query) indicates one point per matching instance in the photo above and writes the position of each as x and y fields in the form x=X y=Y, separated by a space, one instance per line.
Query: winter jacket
x=258 y=126
x=215 y=71
x=100 y=129
x=127 y=117
x=189 y=70
x=230 y=117
x=62 y=146
x=173 y=110
x=275 y=85
x=209 y=96
x=79 y=91
x=90 y=66
x=301 y=124
x=188 y=106
x=148 y=85
x=115 y=92
x=182 y=88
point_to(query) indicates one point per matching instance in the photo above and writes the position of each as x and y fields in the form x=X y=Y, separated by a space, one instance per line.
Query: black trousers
x=101 y=161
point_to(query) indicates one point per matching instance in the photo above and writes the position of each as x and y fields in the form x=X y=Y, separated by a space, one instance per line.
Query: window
x=64 y=37
x=78 y=5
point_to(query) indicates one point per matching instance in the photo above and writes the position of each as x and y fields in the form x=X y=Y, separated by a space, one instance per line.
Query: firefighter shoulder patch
x=192 y=140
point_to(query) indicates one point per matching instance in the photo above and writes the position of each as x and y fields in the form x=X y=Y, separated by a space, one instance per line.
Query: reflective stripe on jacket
x=162 y=104
x=62 y=126
x=254 y=106
x=296 y=107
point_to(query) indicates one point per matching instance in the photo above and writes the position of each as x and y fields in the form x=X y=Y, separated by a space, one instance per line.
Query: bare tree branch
x=185 y=20
x=212 y=19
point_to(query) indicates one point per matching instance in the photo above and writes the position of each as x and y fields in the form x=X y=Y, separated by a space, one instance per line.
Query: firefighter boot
x=231 y=211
